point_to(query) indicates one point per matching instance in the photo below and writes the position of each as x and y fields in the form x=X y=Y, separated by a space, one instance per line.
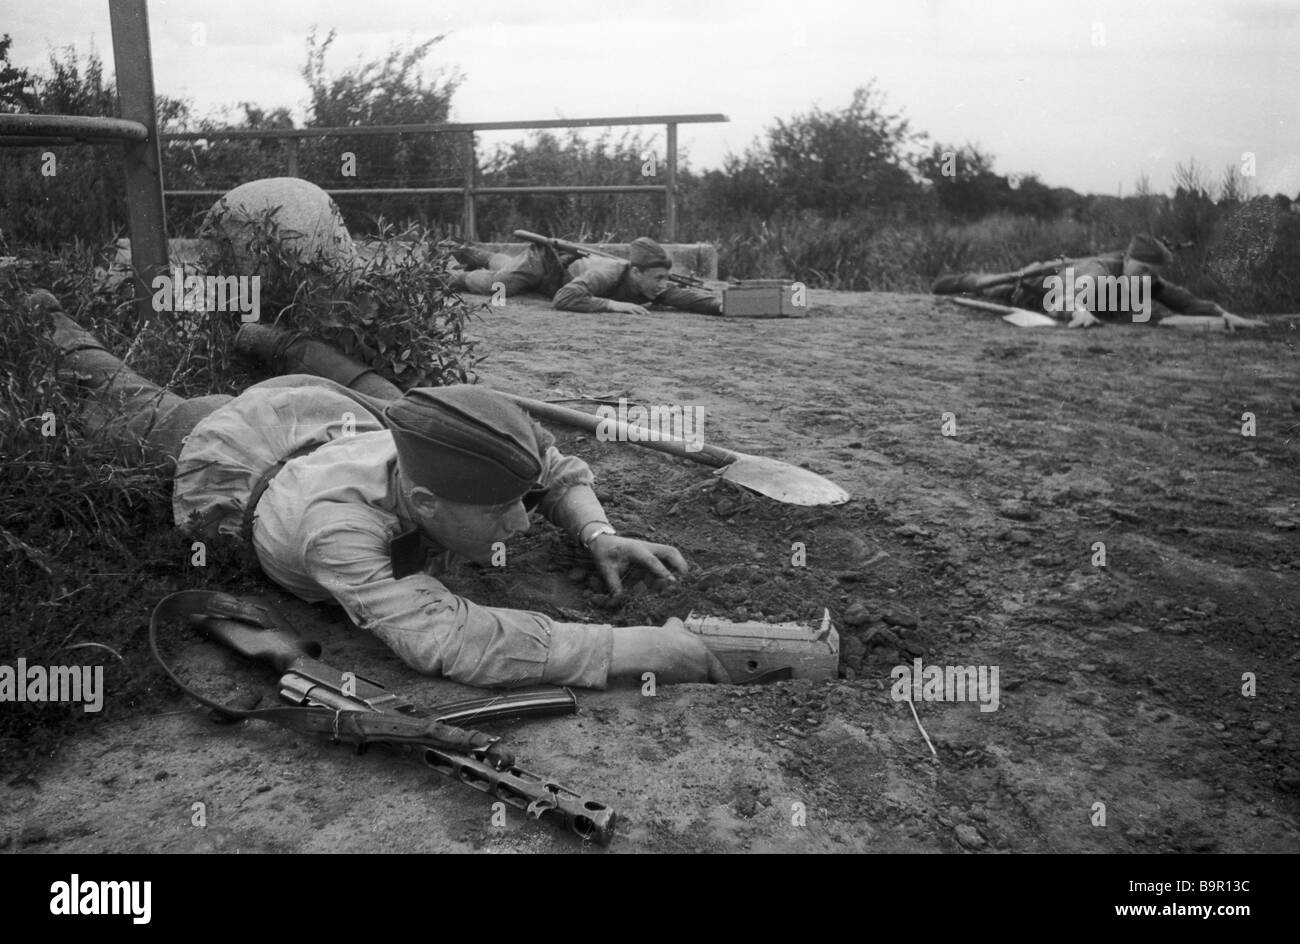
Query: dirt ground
x=1120 y=685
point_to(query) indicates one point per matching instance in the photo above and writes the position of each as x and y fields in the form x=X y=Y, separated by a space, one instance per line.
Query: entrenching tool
x=581 y=250
x=1020 y=317
x=771 y=477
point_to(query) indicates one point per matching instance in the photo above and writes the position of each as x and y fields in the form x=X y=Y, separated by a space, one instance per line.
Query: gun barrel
x=590 y=820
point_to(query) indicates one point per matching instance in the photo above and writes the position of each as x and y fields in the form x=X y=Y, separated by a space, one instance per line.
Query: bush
x=86 y=544
x=393 y=310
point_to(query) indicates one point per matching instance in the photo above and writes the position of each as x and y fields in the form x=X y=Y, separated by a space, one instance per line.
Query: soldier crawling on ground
x=370 y=502
x=590 y=283
x=1120 y=287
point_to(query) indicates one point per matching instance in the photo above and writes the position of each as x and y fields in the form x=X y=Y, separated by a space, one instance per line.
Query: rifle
x=582 y=251
x=359 y=711
x=974 y=282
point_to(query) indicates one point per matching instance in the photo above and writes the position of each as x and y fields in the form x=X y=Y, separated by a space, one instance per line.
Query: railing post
x=293 y=156
x=469 y=224
x=133 y=61
x=670 y=221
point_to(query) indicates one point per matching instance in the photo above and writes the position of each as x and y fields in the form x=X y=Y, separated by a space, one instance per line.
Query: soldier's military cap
x=645 y=253
x=465 y=443
x=1150 y=250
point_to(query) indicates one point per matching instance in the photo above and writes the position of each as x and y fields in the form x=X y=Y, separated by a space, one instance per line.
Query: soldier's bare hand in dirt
x=1084 y=319
x=628 y=308
x=614 y=555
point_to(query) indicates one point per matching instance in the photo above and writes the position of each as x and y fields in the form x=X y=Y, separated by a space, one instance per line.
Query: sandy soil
x=1119 y=685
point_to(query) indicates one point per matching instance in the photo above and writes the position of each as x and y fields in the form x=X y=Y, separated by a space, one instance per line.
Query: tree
x=572 y=157
x=837 y=162
x=964 y=181
x=391 y=90
x=17 y=88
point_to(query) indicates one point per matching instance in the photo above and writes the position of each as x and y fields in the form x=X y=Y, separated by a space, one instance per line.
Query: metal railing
x=137 y=129
x=470 y=190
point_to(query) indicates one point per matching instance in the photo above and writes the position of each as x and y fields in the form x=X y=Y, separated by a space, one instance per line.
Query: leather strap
x=360 y=727
x=260 y=486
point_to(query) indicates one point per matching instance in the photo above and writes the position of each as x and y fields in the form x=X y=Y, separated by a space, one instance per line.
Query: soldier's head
x=1146 y=255
x=650 y=266
x=466 y=457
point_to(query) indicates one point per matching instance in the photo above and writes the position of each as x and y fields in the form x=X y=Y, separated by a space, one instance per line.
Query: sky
x=1088 y=94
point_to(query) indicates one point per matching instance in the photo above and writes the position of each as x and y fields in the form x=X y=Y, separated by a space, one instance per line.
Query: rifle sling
x=360 y=727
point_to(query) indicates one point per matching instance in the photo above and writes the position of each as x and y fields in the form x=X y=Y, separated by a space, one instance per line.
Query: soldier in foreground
x=366 y=502
x=591 y=284
x=1082 y=289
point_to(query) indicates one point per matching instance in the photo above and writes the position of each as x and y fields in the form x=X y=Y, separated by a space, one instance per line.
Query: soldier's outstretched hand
x=629 y=308
x=1084 y=319
x=614 y=555
x=1233 y=322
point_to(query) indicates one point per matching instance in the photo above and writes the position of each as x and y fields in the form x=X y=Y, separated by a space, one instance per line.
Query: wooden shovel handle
x=708 y=455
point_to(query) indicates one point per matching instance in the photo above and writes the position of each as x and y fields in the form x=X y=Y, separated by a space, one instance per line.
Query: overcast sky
x=1089 y=94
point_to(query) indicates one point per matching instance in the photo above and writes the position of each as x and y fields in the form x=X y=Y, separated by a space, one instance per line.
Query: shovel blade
x=1030 y=319
x=782 y=481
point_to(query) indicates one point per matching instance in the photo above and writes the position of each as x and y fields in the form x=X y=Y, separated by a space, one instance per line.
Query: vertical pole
x=670 y=223
x=293 y=157
x=142 y=160
x=468 y=222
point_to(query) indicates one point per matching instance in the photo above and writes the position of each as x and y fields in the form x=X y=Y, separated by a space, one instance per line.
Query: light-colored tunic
x=324 y=525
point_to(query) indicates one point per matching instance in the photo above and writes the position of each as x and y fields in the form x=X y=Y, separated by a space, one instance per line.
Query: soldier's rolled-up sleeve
x=685 y=298
x=439 y=633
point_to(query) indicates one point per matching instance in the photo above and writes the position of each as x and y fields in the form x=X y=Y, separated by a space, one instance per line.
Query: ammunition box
x=762 y=298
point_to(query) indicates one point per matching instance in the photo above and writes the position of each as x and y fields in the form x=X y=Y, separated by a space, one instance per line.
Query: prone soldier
x=367 y=502
x=590 y=283
x=1087 y=290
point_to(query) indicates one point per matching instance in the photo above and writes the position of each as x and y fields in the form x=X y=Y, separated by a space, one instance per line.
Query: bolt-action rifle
x=359 y=711
x=581 y=250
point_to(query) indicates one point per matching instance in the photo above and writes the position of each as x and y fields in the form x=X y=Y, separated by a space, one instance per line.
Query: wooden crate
x=761 y=298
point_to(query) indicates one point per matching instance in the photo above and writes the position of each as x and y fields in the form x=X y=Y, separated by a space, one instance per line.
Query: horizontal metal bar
x=425 y=191
x=446 y=128
x=595 y=188
x=76 y=126
x=369 y=192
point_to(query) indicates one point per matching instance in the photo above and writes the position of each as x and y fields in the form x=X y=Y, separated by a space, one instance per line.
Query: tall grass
x=87 y=545
x=872 y=253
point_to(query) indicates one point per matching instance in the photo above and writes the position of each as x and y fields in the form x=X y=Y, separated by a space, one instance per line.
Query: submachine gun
x=355 y=710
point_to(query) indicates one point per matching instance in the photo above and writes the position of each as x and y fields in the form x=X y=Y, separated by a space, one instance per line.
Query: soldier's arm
x=588 y=292
x=685 y=298
x=1179 y=300
x=439 y=633
x=570 y=502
